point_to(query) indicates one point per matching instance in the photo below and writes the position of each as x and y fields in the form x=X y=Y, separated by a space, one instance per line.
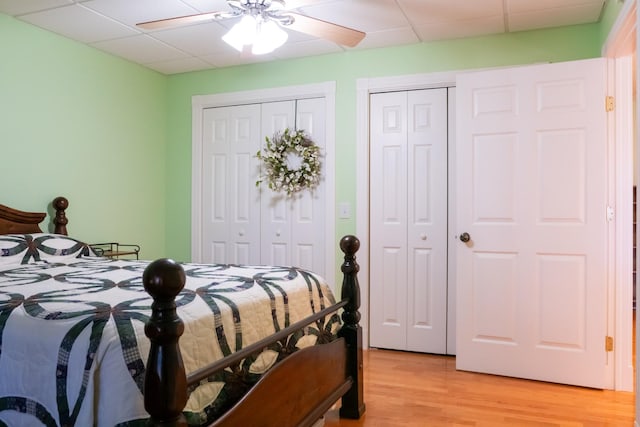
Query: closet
x=246 y=223
x=408 y=220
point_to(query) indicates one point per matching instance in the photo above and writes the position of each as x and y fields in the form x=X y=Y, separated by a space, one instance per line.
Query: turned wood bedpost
x=353 y=401
x=60 y=204
x=165 y=381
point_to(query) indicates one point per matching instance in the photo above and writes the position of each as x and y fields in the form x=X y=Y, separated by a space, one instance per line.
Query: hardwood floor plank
x=411 y=389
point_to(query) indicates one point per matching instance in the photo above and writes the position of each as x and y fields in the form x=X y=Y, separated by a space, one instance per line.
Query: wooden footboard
x=277 y=399
x=303 y=402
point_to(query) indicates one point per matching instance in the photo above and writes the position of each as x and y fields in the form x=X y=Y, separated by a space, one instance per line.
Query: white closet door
x=275 y=236
x=231 y=210
x=408 y=235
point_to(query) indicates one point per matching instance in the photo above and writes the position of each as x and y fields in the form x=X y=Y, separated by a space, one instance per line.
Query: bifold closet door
x=408 y=220
x=246 y=224
x=231 y=208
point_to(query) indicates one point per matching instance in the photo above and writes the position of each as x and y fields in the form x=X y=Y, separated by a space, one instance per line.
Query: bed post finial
x=60 y=204
x=353 y=401
x=165 y=381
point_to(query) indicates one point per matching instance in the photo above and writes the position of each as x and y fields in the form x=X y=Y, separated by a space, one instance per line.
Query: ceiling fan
x=268 y=12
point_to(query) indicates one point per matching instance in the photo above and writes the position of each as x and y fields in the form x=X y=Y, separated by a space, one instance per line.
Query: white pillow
x=13 y=249
x=53 y=248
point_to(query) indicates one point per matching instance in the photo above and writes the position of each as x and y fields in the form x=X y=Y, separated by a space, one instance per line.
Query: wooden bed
x=276 y=399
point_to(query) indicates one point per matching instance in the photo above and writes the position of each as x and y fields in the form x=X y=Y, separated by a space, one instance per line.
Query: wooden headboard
x=15 y=221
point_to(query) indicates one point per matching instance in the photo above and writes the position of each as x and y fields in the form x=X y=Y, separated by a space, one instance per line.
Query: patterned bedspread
x=72 y=343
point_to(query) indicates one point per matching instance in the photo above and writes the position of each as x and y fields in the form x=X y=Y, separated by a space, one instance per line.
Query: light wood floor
x=409 y=389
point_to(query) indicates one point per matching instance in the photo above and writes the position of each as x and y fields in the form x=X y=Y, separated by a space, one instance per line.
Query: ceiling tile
x=13 y=7
x=363 y=15
x=235 y=58
x=387 y=38
x=547 y=18
x=519 y=6
x=183 y=65
x=299 y=49
x=442 y=30
x=79 y=23
x=132 y=12
x=202 y=39
x=208 y=5
x=142 y=49
x=422 y=11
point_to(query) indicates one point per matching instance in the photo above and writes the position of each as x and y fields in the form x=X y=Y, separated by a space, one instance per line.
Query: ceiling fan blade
x=316 y=27
x=181 y=20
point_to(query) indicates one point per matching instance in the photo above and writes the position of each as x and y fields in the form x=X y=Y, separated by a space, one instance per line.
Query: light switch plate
x=345 y=210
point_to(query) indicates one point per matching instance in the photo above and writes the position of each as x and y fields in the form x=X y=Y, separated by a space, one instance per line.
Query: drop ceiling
x=109 y=25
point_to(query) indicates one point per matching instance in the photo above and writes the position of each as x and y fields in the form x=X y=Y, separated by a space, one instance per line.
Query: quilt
x=72 y=343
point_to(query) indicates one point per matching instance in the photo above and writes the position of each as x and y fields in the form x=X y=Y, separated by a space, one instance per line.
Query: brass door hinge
x=610 y=103
x=608 y=343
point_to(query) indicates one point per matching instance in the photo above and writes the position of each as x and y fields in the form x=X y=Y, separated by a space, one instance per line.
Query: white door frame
x=620 y=48
x=199 y=103
x=618 y=306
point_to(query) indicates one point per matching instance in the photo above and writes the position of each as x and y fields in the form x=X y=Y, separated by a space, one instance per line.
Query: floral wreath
x=277 y=155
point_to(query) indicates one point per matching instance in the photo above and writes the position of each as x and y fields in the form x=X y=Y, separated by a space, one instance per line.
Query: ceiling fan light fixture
x=263 y=35
x=269 y=37
x=243 y=33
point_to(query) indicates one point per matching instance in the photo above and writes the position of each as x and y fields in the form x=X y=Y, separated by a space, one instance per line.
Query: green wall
x=609 y=15
x=83 y=124
x=115 y=138
x=563 y=44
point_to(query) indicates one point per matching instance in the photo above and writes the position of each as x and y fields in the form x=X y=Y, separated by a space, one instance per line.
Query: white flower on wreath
x=291 y=162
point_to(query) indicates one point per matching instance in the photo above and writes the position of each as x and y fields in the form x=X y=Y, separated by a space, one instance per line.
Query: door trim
x=199 y=103
x=621 y=48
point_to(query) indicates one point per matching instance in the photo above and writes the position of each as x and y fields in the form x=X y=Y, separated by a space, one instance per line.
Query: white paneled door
x=231 y=215
x=275 y=236
x=532 y=198
x=246 y=224
x=408 y=220
x=293 y=228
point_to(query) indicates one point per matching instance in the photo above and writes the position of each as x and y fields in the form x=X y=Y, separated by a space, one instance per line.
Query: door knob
x=465 y=237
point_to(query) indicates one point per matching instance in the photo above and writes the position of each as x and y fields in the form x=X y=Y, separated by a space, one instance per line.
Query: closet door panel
x=275 y=235
x=231 y=214
x=388 y=220
x=427 y=220
x=308 y=207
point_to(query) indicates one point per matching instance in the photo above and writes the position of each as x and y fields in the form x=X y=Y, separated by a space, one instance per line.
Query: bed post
x=60 y=204
x=165 y=381
x=353 y=401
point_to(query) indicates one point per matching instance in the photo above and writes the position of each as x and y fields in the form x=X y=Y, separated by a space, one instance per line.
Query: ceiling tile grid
x=110 y=25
